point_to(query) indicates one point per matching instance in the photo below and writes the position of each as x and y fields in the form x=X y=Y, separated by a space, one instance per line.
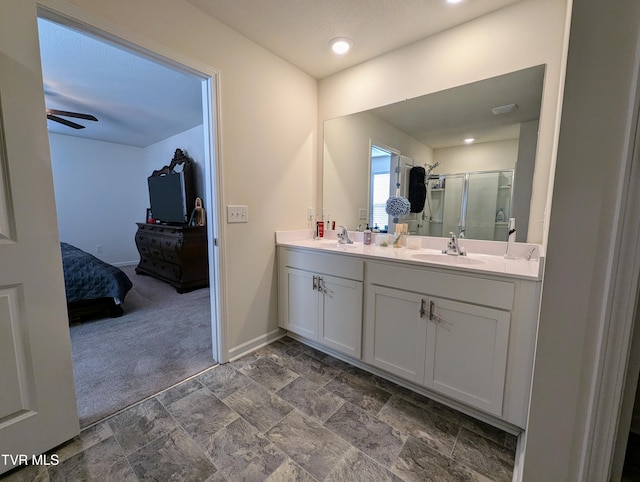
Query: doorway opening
x=164 y=336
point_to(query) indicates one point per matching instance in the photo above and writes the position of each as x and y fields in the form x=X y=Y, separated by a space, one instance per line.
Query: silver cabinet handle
x=315 y=282
x=422 y=310
x=320 y=283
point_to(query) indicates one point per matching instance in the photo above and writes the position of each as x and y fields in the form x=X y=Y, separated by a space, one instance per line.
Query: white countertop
x=482 y=256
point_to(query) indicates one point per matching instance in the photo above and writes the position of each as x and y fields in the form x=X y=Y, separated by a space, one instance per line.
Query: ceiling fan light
x=341 y=45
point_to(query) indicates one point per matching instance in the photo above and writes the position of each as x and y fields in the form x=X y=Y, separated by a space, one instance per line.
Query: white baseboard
x=125 y=263
x=258 y=342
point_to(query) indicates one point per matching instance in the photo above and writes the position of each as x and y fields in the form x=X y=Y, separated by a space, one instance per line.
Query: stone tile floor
x=284 y=412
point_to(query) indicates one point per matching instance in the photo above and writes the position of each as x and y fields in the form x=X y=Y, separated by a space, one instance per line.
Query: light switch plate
x=237 y=213
x=362 y=214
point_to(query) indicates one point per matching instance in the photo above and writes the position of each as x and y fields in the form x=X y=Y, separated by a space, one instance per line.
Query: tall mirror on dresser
x=474 y=146
x=171 y=246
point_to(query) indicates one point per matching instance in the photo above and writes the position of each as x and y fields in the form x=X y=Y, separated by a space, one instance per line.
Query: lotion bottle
x=366 y=236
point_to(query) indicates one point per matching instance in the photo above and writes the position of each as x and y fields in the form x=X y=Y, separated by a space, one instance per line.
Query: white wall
x=268 y=141
x=599 y=118
x=484 y=156
x=525 y=34
x=345 y=183
x=158 y=155
x=100 y=190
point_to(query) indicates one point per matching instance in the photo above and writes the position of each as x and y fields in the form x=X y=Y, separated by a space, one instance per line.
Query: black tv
x=168 y=198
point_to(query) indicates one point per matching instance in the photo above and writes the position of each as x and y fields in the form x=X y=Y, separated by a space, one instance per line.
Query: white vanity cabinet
x=462 y=336
x=455 y=348
x=320 y=298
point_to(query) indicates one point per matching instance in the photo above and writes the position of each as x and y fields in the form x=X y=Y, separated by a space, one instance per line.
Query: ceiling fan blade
x=64 y=121
x=72 y=114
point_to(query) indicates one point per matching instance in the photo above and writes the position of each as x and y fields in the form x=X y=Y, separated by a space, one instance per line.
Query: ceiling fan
x=54 y=115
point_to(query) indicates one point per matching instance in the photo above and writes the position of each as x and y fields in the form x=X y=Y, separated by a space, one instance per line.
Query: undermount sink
x=344 y=246
x=333 y=243
x=447 y=258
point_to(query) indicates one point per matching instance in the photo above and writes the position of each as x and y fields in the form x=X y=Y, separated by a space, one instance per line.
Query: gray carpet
x=162 y=338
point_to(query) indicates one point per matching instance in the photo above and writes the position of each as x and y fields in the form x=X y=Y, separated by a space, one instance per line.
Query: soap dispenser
x=366 y=236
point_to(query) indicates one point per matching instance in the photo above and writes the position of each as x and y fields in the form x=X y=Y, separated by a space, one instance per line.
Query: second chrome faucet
x=453 y=248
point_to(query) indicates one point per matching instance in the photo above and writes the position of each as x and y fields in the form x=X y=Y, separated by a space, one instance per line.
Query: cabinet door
x=300 y=302
x=341 y=314
x=467 y=353
x=396 y=332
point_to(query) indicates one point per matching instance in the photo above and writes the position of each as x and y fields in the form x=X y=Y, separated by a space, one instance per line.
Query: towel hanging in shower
x=417 y=189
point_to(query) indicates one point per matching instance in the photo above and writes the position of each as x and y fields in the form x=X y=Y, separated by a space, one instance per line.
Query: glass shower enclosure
x=476 y=205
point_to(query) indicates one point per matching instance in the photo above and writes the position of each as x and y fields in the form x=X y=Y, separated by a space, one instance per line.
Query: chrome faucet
x=453 y=248
x=343 y=236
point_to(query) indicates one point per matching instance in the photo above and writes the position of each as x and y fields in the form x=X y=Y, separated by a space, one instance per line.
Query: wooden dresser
x=175 y=254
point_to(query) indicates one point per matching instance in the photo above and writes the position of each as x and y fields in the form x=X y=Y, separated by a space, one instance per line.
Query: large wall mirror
x=471 y=186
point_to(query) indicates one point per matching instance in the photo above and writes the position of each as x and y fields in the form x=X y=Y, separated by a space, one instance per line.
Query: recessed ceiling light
x=341 y=45
x=469 y=140
x=454 y=1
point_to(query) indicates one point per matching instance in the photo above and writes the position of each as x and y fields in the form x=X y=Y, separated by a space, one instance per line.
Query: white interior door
x=37 y=398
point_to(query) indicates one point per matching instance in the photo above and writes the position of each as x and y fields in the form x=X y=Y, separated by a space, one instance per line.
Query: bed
x=92 y=286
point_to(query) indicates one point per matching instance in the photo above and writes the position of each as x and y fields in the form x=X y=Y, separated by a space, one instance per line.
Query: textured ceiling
x=137 y=101
x=299 y=31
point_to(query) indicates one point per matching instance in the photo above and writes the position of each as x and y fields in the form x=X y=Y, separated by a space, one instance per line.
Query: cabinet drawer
x=142 y=238
x=170 y=256
x=320 y=263
x=165 y=270
x=480 y=291
x=170 y=244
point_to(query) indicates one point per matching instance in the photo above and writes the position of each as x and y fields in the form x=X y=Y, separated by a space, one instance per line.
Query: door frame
x=79 y=19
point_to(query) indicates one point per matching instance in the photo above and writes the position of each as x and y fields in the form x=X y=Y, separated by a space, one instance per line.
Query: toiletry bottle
x=366 y=236
x=320 y=229
x=500 y=216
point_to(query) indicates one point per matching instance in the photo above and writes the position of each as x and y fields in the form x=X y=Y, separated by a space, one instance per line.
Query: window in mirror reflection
x=380 y=187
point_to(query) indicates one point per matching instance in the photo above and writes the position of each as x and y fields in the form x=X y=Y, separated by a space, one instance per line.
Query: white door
x=301 y=303
x=467 y=353
x=341 y=314
x=396 y=332
x=37 y=399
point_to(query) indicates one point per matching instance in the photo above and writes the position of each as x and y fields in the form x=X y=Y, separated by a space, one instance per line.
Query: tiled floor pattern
x=285 y=412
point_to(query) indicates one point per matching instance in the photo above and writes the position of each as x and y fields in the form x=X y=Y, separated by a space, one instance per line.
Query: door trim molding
x=68 y=14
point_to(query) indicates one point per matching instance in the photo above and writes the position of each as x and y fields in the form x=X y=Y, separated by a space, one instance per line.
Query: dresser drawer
x=143 y=238
x=170 y=244
x=161 y=268
x=170 y=256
